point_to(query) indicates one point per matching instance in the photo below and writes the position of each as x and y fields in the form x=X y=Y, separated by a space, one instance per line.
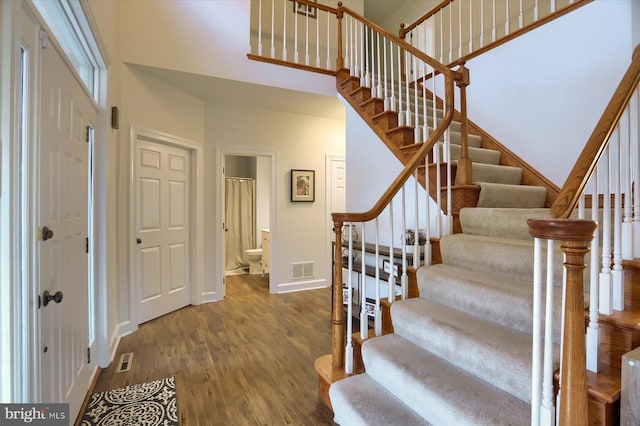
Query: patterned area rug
x=151 y=403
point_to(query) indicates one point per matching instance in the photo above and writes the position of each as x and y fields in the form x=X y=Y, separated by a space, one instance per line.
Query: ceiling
x=213 y=89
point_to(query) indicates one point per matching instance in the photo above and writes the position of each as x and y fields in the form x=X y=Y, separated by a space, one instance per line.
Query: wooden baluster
x=464 y=163
x=337 y=313
x=575 y=237
x=340 y=60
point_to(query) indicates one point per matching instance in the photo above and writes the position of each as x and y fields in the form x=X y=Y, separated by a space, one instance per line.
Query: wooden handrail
x=588 y=159
x=319 y=6
x=405 y=29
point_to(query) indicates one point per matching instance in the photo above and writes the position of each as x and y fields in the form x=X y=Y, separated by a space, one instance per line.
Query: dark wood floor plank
x=247 y=360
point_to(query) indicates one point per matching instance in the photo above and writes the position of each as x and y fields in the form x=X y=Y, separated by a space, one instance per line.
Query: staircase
x=461 y=352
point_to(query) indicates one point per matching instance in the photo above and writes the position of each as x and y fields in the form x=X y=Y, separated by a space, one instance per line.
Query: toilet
x=254 y=256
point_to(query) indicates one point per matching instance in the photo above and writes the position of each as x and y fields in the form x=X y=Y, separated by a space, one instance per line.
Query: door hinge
x=86 y=245
x=88 y=355
x=88 y=133
x=44 y=38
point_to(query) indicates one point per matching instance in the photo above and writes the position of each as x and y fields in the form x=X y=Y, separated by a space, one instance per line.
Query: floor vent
x=302 y=270
x=125 y=362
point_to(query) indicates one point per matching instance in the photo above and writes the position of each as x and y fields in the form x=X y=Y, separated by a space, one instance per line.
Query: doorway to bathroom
x=247 y=203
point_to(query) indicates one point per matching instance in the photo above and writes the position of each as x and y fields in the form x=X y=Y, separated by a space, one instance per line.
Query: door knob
x=48 y=297
x=47 y=233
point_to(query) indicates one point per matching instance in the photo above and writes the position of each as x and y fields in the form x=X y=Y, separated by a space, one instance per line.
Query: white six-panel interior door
x=162 y=220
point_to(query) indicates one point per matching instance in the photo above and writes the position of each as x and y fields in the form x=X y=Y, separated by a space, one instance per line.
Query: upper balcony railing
x=457 y=30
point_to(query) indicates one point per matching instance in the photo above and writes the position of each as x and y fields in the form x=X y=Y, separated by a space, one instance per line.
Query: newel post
x=464 y=163
x=337 y=313
x=575 y=237
x=340 y=58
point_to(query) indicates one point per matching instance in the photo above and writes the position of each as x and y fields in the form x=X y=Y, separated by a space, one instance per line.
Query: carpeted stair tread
x=499 y=222
x=360 y=401
x=439 y=391
x=498 y=355
x=474 y=141
x=501 y=256
x=478 y=155
x=502 y=300
x=511 y=196
x=493 y=173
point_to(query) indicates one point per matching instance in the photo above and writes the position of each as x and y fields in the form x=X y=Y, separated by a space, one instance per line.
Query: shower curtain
x=240 y=221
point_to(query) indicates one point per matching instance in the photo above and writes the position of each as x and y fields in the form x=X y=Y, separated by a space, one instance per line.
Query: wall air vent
x=302 y=270
x=125 y=362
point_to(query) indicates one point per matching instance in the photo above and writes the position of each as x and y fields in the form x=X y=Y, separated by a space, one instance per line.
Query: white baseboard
x=302 y=285
x=210 y=296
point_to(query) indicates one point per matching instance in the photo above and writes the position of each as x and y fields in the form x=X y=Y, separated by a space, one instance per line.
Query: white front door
x=62 y=161
x=162 y=212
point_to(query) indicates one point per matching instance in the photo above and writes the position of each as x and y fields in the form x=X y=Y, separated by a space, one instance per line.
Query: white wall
x=370 y=174
x=299 y=142
x=148 y=103
x=219 y=29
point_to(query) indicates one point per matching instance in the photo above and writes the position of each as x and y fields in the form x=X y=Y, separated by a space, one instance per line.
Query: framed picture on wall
x=306 y=10
x=303 y=185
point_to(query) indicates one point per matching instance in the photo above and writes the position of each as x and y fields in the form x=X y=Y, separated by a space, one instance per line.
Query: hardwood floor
x=247 y=360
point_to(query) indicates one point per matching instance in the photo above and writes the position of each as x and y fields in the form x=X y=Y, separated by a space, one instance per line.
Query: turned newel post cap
x=562 y=229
